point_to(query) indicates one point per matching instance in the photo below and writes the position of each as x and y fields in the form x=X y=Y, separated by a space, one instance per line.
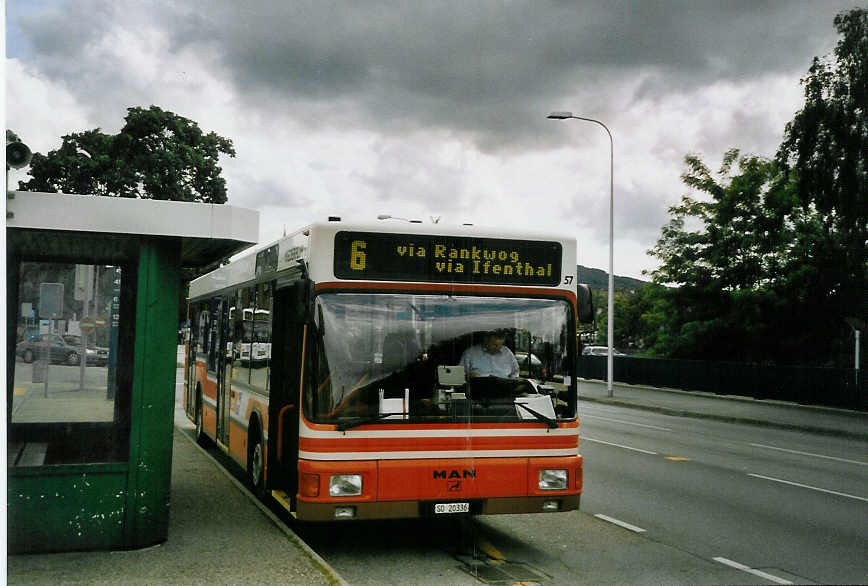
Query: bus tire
x=201 y=438
x=256 y=460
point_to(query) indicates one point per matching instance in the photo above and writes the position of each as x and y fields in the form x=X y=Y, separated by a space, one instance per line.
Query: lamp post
x=610 y=319
x=390 y=217
x=857 y=325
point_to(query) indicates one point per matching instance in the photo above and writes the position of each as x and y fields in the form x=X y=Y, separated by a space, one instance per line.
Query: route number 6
x=358 y=256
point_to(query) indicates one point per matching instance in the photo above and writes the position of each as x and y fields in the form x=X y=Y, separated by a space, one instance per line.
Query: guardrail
x=833 y=387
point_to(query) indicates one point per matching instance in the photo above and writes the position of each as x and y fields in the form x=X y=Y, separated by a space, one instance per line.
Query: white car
x=599 y=351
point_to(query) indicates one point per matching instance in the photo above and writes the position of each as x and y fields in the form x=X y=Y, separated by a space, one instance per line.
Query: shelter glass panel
x=70 y=397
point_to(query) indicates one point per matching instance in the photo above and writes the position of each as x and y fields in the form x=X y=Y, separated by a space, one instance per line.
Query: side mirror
x=585 y=303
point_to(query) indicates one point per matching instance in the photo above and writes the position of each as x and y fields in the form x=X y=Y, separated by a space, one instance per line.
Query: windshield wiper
x=343 y=426
x=539 y=416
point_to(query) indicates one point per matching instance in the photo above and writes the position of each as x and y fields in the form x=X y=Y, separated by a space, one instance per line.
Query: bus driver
x=491 y=358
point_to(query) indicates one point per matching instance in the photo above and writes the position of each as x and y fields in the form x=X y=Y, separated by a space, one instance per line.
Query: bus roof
x=404 y=252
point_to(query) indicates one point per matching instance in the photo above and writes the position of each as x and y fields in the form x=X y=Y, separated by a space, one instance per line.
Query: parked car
x=599 y=351
x=62 y=350
x=535 y=367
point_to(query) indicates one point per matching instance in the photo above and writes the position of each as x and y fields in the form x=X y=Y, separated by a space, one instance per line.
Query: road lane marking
x=619 y=523
x=810 y=454
x=749 y=570
x=588 y=439
x=625 y=422
x=676 y=458
x=844 y=494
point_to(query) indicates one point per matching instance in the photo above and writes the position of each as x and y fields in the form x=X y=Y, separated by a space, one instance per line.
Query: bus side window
x=260 y=343
x=242 y=325
x=213 y=324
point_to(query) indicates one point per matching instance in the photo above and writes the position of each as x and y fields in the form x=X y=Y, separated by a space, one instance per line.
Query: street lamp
x=610 y=332
x=389 y=217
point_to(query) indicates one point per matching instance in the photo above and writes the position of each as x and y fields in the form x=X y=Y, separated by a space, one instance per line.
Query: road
x=792 y=504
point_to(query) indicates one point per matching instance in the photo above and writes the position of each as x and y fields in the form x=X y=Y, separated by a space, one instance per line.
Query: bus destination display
x=423 y=257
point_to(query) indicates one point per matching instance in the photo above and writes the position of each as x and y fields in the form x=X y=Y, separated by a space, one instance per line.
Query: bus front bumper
x=341 y=511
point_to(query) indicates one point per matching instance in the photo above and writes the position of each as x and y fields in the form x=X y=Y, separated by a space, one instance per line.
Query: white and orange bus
x=360 y=407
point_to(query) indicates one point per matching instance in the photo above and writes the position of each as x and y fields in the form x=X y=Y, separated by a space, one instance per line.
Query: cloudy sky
x=432 y=109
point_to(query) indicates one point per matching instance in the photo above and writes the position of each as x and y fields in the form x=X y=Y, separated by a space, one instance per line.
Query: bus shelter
x=93 y=291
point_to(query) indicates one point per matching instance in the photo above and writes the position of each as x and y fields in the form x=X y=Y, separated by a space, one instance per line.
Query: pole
x=856 y=367
x=610 y=318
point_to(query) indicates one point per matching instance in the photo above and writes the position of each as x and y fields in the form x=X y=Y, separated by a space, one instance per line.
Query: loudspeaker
x=17 y=155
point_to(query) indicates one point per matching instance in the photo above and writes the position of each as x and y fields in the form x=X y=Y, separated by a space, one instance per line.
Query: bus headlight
x=345 y=485
x=552 y=479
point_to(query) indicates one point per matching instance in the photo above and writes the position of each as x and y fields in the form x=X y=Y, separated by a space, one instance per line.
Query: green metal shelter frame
x=95 y=472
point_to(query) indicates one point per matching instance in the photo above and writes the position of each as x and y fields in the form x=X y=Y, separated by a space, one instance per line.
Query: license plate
x=451 y=508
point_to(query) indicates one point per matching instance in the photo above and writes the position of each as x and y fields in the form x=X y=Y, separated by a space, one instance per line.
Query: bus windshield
x=377 y=357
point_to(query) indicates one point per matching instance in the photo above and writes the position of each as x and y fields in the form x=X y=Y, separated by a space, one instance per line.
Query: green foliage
x=156 y=155
x=826 y=140
x=754 y=278
x=825 y=147
x=738 y=234
x=772 y=258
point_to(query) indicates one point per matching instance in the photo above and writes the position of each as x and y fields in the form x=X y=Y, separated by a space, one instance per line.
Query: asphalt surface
x=220 y=534
x=787 y=502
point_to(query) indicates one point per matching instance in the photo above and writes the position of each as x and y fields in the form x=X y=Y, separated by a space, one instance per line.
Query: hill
x=599 y=279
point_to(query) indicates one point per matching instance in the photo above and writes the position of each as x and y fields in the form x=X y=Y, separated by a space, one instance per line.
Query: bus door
x=289 y=329
x=224 y=357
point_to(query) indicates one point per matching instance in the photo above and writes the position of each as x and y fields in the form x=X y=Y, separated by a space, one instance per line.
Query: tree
x=734 y=291
x=741 y=230
x=156 y=155
x=824 y=148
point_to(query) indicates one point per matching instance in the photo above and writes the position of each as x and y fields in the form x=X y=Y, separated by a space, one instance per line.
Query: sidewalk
x=218 y=534
x=729 y=408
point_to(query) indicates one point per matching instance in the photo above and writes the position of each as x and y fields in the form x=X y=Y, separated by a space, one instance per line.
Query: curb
x=728 y=418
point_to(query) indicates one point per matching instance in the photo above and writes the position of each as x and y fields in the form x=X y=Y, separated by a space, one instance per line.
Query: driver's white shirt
x=477 y=361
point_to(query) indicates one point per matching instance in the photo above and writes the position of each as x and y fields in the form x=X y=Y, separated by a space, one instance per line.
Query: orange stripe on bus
x=431 y=444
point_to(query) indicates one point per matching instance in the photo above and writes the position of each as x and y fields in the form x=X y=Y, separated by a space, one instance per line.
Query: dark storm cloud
x=488 y=70
x=484 y=66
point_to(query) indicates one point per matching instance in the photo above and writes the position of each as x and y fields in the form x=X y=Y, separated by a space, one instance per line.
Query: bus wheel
x=256 y=463
x=201 y=438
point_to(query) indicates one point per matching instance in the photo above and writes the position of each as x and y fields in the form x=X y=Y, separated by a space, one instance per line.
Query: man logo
x=448 y=474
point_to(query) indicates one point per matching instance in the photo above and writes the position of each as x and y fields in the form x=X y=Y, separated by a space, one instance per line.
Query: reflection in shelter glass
x=65 y=398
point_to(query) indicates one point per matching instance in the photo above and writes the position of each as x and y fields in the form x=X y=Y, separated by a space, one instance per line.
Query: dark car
x=62 y=350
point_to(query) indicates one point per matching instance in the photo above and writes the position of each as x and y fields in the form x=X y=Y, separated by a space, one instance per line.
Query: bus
x=357 y=405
